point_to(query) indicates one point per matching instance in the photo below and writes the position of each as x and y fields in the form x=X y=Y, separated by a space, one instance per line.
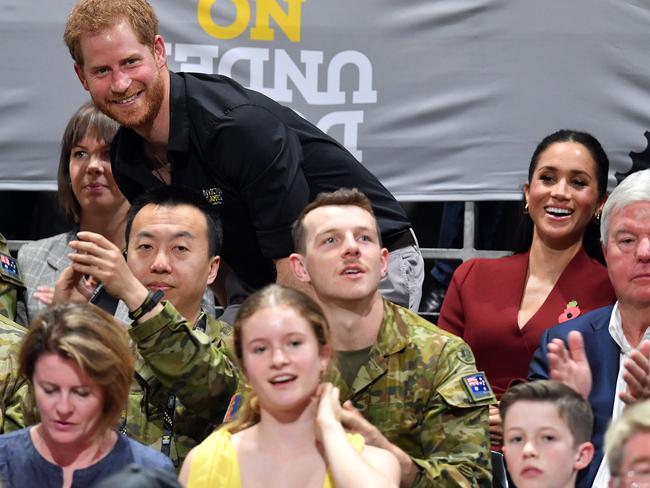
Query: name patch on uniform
x=477 y=386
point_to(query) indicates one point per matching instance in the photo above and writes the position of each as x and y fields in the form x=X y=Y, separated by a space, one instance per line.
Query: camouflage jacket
x=411 y=388
x=10 y=287
x=17 y=409
x=172 y=358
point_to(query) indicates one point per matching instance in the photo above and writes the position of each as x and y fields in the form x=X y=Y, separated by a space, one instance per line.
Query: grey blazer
x=40 y=263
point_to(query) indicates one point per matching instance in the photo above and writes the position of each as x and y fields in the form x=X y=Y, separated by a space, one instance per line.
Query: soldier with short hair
x=184 y=378
x=409 y=387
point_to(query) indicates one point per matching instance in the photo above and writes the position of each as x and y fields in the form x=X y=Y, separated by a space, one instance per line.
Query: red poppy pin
x=570 y=312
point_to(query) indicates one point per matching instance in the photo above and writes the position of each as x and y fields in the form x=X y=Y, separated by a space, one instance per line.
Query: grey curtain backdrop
x=441 y=99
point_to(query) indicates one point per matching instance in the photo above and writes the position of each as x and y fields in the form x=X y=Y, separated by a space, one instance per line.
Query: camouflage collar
x=393 y=334
x=393 y=337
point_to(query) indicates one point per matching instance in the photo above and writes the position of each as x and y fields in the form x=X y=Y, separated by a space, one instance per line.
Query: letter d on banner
x=204 y=13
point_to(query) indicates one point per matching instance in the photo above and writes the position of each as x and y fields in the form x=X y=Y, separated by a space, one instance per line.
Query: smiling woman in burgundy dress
x=500 y=307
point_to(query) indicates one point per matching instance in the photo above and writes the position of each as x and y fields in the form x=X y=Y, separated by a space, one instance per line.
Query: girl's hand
x=329 y=409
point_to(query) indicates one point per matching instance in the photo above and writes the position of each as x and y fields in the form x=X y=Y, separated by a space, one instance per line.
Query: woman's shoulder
x=590 y=277
x=20 y=461
x=15 y=445
x=582 y=260
x=220 y=440
x=486 y=267
x=213 y=462
x=19 y=436
x=43 y=247
x=583 y=266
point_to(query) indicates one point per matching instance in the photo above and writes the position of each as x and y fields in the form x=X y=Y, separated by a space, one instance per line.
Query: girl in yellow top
x=288 y=433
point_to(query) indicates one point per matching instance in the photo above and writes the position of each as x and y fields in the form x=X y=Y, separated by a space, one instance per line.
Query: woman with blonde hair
x=79 y=364
x=288 y=434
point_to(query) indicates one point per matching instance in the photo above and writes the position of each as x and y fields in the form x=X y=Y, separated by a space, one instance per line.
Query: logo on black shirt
x=213 y=195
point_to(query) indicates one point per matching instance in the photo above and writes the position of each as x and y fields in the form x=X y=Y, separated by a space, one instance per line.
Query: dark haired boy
x=546 y=432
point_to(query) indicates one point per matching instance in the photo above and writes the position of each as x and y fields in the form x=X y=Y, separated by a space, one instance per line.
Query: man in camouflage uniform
x=10 y=281
x=17 y=408
x=184 y=378
x=411 y=388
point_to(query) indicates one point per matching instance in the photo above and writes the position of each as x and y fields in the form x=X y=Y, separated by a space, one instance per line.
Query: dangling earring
x=526 y=209
x=597 y=217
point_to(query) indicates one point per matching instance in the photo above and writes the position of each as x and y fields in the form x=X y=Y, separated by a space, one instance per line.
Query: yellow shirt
x=215 y=464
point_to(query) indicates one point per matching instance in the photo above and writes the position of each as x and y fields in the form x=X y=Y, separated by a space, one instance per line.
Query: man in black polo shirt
x=257 y=162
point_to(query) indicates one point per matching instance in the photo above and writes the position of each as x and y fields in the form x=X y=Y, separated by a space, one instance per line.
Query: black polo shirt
x=258 y=163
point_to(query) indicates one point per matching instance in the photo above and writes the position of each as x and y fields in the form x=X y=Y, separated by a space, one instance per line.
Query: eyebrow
x=122 y=60
x=337 y=229
x=101 y=143
x=283 y=336
x=643 y=458
x=573 y=171
x=255 y=339
x=57 y=385
x=151 y=235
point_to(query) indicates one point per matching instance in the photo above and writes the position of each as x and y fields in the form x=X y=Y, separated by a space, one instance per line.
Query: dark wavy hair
x=591 y=238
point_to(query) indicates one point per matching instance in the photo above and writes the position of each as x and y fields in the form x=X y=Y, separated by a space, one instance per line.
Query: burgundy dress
x=482 y=304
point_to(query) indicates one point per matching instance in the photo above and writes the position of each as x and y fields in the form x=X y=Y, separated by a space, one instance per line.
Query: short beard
x=152 y=101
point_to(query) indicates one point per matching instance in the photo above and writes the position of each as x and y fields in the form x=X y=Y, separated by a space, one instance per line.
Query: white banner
x=441 y=99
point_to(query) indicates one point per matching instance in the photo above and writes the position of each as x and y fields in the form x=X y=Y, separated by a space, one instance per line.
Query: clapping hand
x=637 y=375
x=570 y=366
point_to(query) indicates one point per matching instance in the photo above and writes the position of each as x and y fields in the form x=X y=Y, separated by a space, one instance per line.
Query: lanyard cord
x=170 y=408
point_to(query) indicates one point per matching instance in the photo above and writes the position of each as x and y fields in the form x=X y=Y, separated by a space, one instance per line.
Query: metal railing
x=468 y=250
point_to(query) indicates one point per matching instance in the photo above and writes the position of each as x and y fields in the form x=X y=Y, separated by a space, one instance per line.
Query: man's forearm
x=191 y=363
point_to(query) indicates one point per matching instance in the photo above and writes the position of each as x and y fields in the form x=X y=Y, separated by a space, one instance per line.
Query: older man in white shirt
x=609 y=344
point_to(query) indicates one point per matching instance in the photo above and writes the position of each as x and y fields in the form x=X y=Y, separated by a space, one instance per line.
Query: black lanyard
x=170 y=406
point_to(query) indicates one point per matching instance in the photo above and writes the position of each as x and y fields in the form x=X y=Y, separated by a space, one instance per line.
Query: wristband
x=149 y=303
